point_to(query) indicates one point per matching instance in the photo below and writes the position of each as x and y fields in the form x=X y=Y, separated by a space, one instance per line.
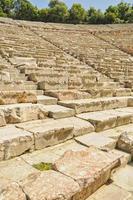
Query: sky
x=100 y=4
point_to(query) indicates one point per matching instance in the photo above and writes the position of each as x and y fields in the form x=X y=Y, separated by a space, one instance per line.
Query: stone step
x=53 y=84
x=2 y=119
x=109 y=192
x=108 y=92
x=50 y=185
x=46 y=100
x=108 y=119
x=76 y=171
x=127 y=158
x=17 y=86
x=98 y=104
x=83 y=166
x=16 y=113
x=18 y=76
x=29 y=70
x=125 y=142
x=80 y=127
x=14 y=142
x=37 y=92
x=83 y=170
x=11 y=97
x=38 y=77
x=12 y=190
x=16 y=60
x=94 y=139
x=50 y=154
x=116 y=132
x=57 y=111
x=122 y=92
x=68 y=94
x=49 y=132
x=124 y=177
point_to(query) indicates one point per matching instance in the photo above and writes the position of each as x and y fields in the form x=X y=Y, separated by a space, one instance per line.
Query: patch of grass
x=43 y=166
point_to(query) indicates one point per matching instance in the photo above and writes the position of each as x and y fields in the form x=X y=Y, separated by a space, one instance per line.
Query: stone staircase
x=66 y=129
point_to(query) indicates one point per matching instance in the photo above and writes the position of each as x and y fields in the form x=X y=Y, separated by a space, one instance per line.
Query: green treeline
x=58 y=12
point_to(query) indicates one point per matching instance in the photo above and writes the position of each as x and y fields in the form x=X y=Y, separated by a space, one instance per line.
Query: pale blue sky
x=101 y=4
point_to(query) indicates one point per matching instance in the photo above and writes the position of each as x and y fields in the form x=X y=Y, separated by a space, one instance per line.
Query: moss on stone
x=43 y=166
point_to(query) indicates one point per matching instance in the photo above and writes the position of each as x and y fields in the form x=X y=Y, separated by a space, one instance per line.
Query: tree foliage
x=95 y=16
x=24 y=10
x=77 y=13
x=57 y=11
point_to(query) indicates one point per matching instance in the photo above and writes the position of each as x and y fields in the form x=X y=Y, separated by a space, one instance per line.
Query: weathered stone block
x=49 y=185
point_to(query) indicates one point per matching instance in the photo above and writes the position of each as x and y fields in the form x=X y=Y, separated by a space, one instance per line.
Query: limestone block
x=57 y=111
x=16 y=169
x=17 y=97
x=11 y=190
x=49 y=185
x=125 y=142
x=109 y=192
x=16 y=113
x=2 y=119
x=22 y=61
x=50 y=132
x=94 y=139
x=101 y=120
x=90 y=168
x=14 y=142
x=68 y=94
x=124 y=178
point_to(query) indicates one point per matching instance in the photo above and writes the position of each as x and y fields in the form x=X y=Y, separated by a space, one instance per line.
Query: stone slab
x=14 y=97
x=57 y=111
x=125 y=142
x=49 y=185
x=124 y=178
x=11 y=190
x=101 y=120
x=2 y=119
x=111 y=133
x=15 y=169
x=46 y=155
x=68 y=94
x=14 y=142
x=16 y=113
x=94 y=139
x=81 y=127
x=51 y=154
x=110 y=192
x=99 y=104
x=90 y=168
x=50 y=132
x=46 y=100
x=126 y=157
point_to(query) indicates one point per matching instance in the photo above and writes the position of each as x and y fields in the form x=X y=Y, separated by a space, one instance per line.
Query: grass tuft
x=43 y=166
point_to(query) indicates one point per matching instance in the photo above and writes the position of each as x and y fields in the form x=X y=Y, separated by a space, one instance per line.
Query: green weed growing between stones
x=43 y=166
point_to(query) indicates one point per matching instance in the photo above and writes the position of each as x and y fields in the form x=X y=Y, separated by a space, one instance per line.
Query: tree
x=53 y=3
x=123 y=10
x=111 y=14
x=6 y=6
x=58 y=11
x=77 y=13
x=95 y=16
x=110 y=18
x=129 y=15
x=2 y=14
x=24 y=10
x=43 y=14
